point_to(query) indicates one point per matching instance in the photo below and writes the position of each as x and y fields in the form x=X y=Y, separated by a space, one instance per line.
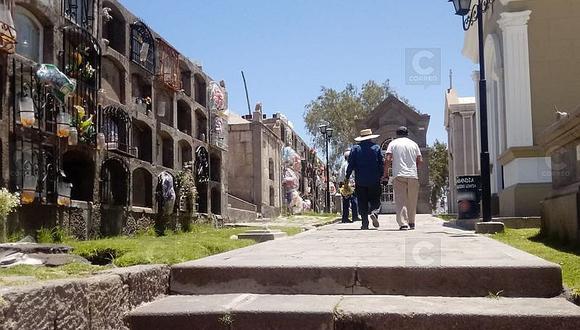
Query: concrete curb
x=96 y=302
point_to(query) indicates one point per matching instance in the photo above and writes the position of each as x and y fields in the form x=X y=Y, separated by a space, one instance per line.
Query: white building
x=463 y=141
x=532 y=68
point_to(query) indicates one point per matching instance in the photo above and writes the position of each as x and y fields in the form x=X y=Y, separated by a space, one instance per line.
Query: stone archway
x=114 y=183
x=79 y=169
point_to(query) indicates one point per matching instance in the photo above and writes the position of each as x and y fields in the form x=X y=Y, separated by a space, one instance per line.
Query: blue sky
x=288 y=49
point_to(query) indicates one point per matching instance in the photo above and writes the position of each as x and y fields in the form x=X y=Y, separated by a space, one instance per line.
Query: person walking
x=366 y=160
x=404 y=156
x=349 y=200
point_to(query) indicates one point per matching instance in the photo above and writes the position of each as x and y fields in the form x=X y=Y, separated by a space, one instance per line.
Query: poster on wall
x=219 y=121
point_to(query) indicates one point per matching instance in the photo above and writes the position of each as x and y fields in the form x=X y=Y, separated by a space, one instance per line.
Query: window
x=30 y=35
x=271 y=169
x=142 y=47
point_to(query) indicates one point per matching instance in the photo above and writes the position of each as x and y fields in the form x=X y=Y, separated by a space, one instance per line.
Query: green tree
x=341 y=110
x=438 y=171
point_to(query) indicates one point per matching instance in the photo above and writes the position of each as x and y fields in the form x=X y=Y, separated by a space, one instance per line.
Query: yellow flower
x=80 y=111
x=87 y=123
x=78 y=58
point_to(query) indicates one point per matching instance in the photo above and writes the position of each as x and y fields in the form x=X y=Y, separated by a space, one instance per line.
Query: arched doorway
x=79 y=169
x=114 y=191
x=114 y=183
x=388 y=192
x=142 y=188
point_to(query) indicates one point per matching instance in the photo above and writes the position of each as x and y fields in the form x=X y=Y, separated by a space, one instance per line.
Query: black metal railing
x=142 y=46
x=81 y=60
x=115 y=187
x=80 y=12
x=116 y=126
x=33 y=144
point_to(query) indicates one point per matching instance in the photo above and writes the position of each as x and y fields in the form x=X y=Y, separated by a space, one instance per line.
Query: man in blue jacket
x=366 y=160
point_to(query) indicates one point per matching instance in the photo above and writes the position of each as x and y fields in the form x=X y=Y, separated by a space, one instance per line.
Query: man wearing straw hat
x=366 y=160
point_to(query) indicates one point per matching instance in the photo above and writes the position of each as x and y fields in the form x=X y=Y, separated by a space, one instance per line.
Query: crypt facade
x=384 y=120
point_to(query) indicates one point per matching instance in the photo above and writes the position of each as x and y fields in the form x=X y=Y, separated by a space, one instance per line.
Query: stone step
x=432 y=260
x=540 y=281
x=251 y=311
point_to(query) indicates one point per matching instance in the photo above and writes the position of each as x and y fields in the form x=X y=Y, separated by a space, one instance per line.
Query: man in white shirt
x=404 y=155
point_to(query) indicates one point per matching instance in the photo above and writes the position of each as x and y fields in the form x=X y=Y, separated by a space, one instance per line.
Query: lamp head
x=329 y=132
x=462 y=7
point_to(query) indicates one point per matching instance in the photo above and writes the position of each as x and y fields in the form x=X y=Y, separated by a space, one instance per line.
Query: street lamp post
x=471 y=15
x=327 y=133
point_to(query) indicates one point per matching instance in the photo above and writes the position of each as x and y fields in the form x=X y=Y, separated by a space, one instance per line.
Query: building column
x=516 y=59
x=470 y=158
x=475 y=76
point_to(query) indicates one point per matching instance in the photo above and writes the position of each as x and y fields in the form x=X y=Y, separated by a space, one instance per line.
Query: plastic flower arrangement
x=80 y=67
x=85 y=126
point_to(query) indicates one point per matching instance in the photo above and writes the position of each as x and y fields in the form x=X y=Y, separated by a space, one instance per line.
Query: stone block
x=262 y=235
x=97 y=302
x=143 y=283
x=489 y=227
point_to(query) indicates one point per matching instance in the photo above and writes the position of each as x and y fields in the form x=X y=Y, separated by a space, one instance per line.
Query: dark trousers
x=349 y=202
x=369 y=199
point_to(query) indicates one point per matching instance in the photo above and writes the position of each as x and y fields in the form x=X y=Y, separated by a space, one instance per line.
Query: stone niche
x=561 y=209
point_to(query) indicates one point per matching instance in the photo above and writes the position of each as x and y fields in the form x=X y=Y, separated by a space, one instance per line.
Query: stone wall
x=560 y=217
x=125 y=83
x=97 y=302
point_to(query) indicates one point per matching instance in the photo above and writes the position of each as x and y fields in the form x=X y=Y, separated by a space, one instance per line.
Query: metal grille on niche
x=114 y=182
x=80 y=12
x=115 y=124
x=82 y=62
x=142 y=46
x=34 y=142
x=201 y=165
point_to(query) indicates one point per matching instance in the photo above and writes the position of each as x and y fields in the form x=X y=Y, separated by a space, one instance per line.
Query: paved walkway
x=341 y=259
x=339 y=277
x=431 y=244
